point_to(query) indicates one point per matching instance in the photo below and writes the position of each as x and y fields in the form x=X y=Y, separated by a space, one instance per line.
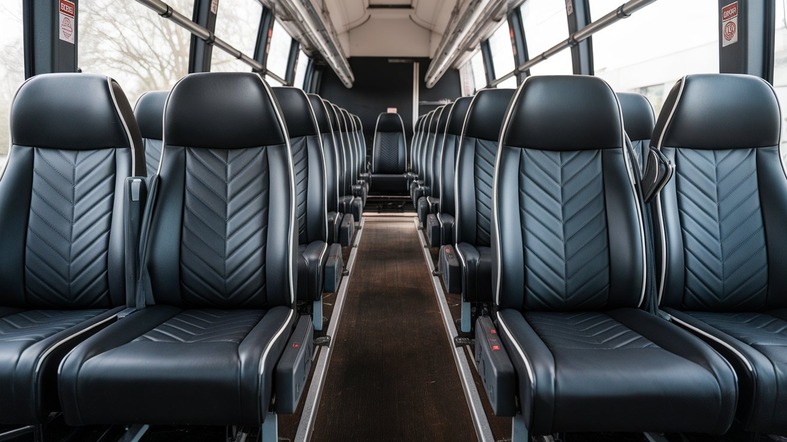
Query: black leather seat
x=389 y=156
x=415 y=177
x=220 y=254
x=149 y=112
x=440 y=225
x=568 y=246
x=362 y=183
x=310 y=211
x=62 y=244
x=340 y=225
x=639 y=121
x=429 y=201
x=475 y=167
x=424 y=185
x=348 y=202
x=723 y=239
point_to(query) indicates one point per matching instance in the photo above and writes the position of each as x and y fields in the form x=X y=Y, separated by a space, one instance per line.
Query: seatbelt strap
x=135 y=193
x=144 y=292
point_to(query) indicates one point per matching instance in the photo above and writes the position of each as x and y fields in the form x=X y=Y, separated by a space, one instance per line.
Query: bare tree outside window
x=133 y=45
x=12 y=72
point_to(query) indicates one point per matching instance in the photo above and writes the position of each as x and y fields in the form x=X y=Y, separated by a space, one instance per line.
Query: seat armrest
x=334 y=221
x=136 y=192
x=294 y=366
x=432 y=230
x=450 y=269
x=311 y=261
x=446 y=227
x=333 y=268
x=474 y=273
x=495 y=368
x=434 y=204
x=346 y=229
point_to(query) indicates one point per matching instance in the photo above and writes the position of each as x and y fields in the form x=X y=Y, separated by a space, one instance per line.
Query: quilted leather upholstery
x=389 y=155
x=721 y=233
x=61 y=230
x=222 y=249
x=568 y=249
x=564 y=229
x=149 y=112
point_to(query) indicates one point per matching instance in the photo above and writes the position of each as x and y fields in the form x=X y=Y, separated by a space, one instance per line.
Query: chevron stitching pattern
x=564 y=229
x=300 y=165
x=387 y=154
x=640 y=148
x=204 y=326
x=35 y=325
x=751 y=328
x=224 y=226
x=723 y=234
x=585 y=331
x=152 y=155
x=485 y=151
x=68 y=228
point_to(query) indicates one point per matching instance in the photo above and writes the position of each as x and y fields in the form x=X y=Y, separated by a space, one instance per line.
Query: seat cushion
x=32 y=343
x=756 y=344
x=622 y=370
x=167 y=365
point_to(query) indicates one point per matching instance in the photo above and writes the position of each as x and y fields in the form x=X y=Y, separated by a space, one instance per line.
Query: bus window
x=300 y=69
x=636 y=55
x=502 y=55
x=479 y=72
x=237 y=23
x=279 y=51
x=467 y=83
x=12 y=70
x=546 y=25
x=140 y=50
x=780 y=69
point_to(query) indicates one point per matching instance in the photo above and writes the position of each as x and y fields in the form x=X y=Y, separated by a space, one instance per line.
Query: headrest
x=638 y=119
x=222 y=110
x=344 y=119
x=457 y=117
x=320 y=113
x=485 y=116
x=566 y=112
x=297 y=110
x=332 y=116
x=443 y=121
x=150 y=114
x=434 y=120
x=719 y=111
x=389 y=122
x=73 y=111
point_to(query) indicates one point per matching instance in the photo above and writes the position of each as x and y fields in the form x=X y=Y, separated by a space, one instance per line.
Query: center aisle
x=392 y=375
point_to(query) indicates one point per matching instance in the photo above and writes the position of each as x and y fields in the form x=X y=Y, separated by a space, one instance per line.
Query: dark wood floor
x=392 y=376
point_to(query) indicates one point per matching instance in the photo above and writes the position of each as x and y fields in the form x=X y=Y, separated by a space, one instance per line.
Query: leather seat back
x=346 y=150
x=423 y=151
x=475 y=166
x=389 y=149
x=453 y=133
x=431 y=148
x=723 y=238
x=350 y=149
x=330 y=155
x=437 y=154
x=415 y=145
x=638 y=120
x=361 y=144
x=149 y=112
x=568 y=224
x=307 y=162
x=223 y=231
x=74 y=141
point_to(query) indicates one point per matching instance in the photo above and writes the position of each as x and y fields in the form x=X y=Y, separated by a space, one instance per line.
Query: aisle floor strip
x=480 y=422
x=312 y=401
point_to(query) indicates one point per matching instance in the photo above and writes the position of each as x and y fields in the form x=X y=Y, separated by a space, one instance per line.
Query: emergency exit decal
x=729 y=24
x=67 y=23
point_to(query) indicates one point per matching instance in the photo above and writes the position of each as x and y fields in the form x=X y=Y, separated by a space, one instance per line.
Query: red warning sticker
x=67 y=21
x=729 y=24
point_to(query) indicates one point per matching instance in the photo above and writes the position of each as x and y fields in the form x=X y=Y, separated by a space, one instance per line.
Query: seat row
x=171 y=299
x=607 y=296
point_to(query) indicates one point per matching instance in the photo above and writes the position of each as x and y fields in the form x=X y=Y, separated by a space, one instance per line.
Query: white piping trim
x=134 y=149
x=658 y=146
x=286 y=135
x=264 y=358
x=714 y=339
x=529 y=368
x=66 y=339
x=632 y=185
